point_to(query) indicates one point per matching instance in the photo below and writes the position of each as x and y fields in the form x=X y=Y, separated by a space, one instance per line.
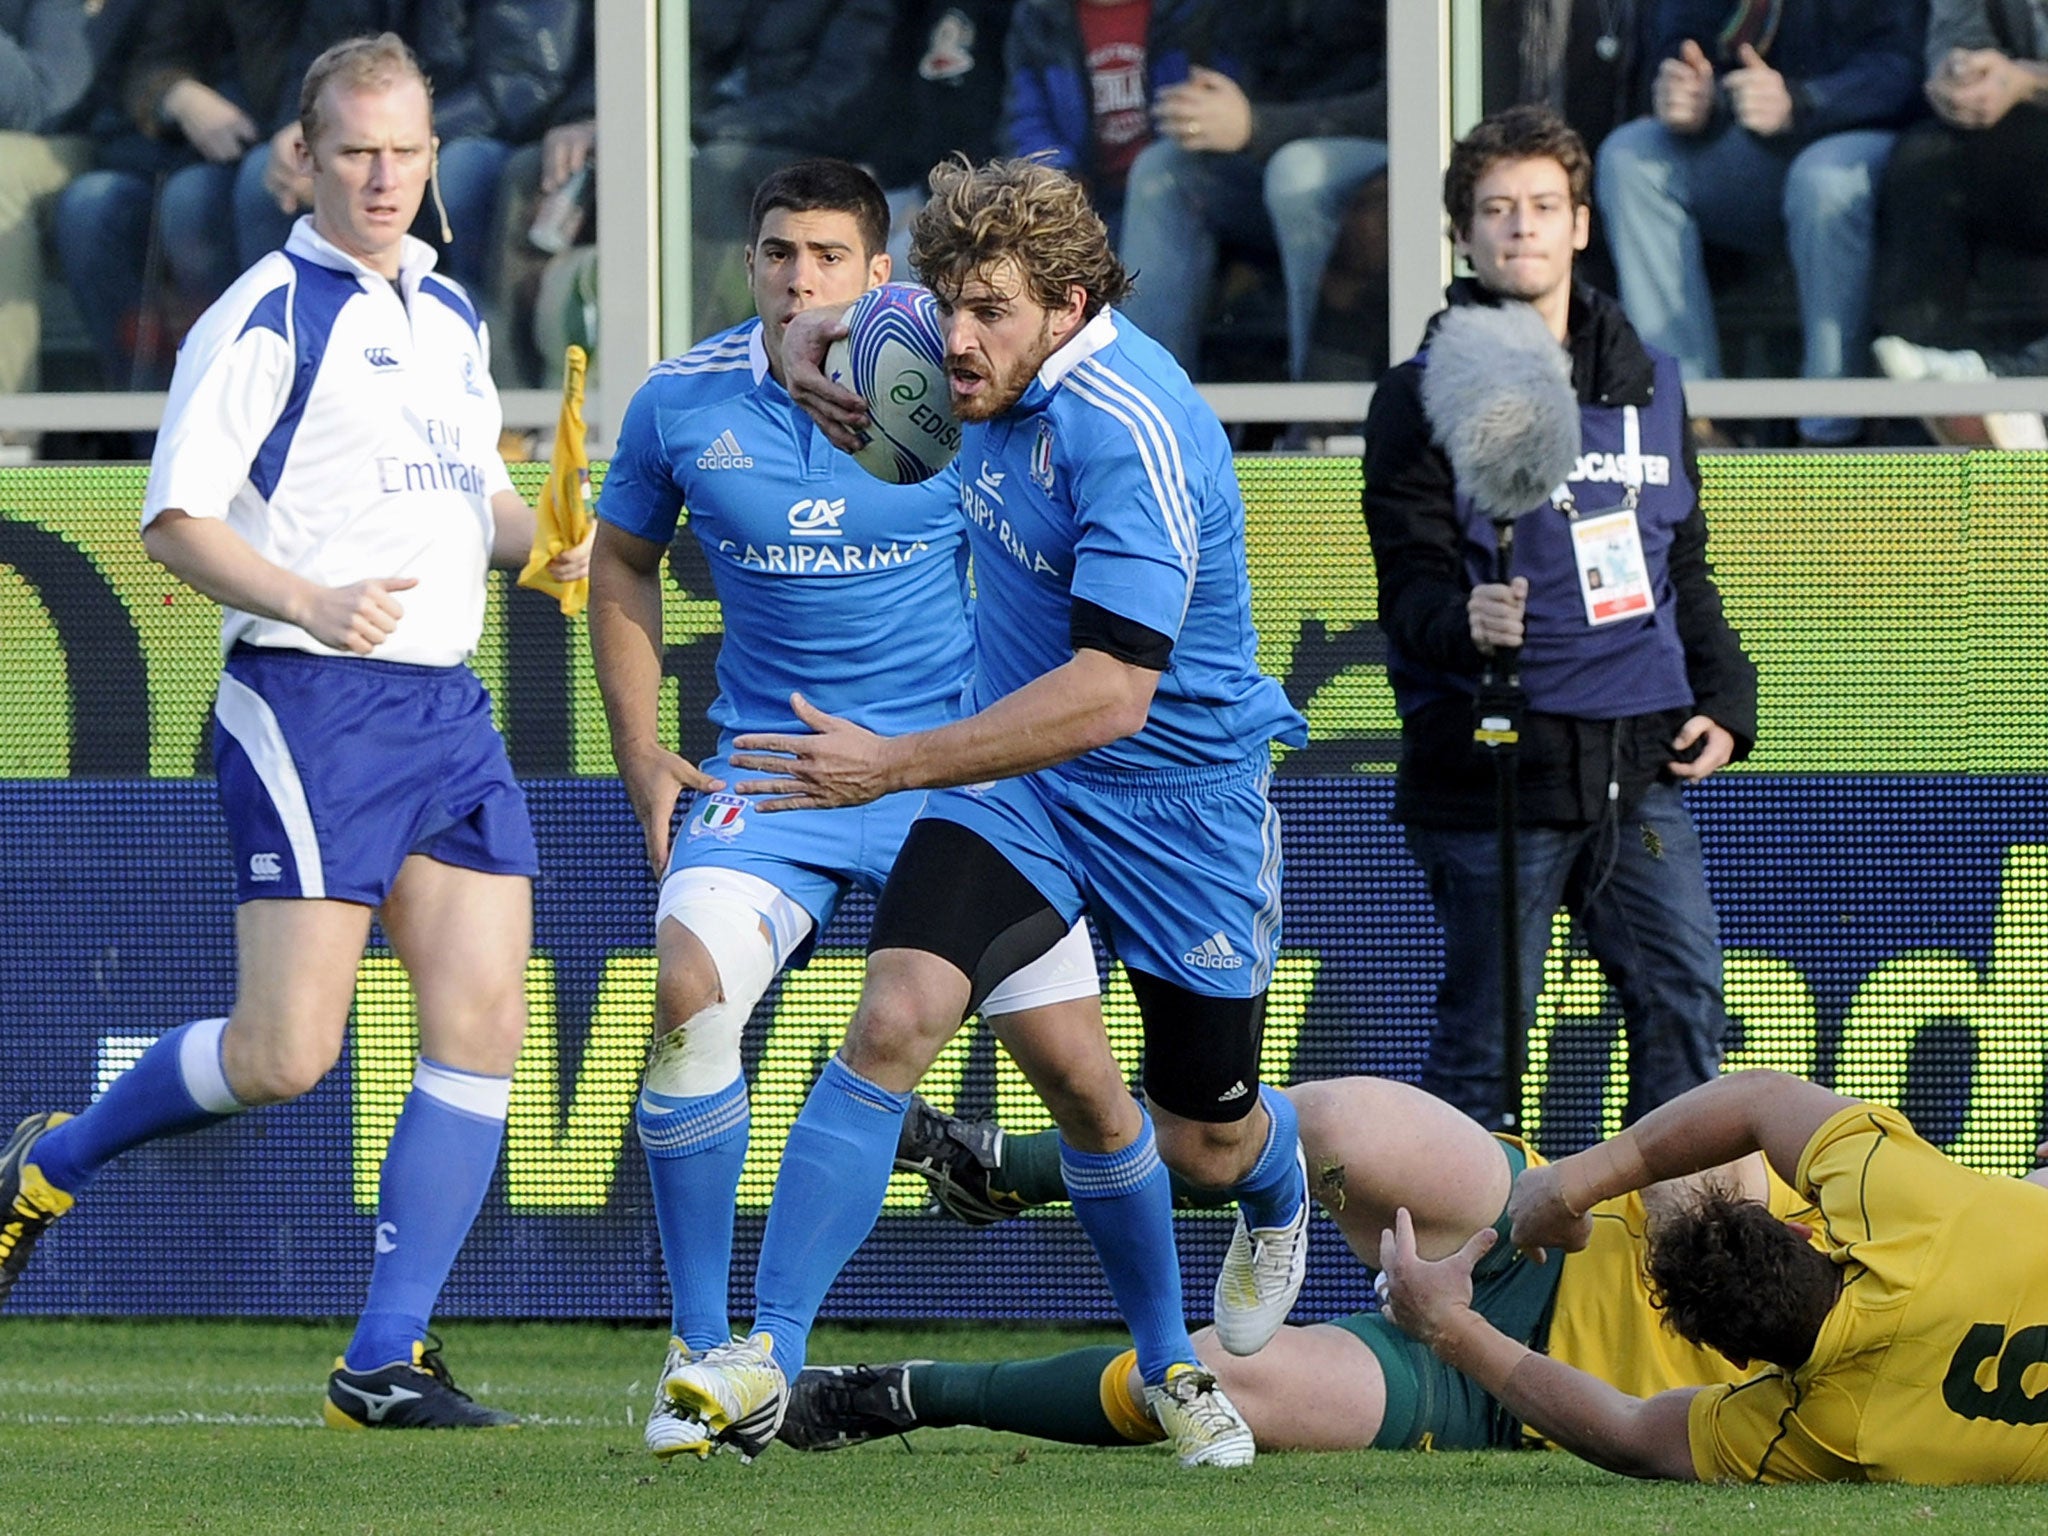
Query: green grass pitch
x=139 y=1426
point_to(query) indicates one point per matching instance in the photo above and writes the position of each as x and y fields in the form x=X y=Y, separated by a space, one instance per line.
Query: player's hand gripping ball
x=894 y=357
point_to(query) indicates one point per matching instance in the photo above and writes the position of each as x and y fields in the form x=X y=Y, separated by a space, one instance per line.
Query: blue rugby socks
x=835 y=1173
x=1271 y=1195
x=1123 y=1203
x=176 y=1086
x=696 y=1149
x=439 y=1165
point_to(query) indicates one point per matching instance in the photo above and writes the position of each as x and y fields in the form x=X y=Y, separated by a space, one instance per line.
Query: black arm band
x=1094 y=628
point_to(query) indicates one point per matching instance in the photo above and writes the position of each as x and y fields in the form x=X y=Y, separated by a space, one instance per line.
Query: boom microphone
x=1497 y=390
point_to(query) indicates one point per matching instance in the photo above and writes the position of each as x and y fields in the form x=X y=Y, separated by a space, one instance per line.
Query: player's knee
x=898 y=1025
x=701 y=1014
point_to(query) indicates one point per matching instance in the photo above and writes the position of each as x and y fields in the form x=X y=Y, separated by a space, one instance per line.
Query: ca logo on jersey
x=380 y=357
x=817 y=518
x=266 y=866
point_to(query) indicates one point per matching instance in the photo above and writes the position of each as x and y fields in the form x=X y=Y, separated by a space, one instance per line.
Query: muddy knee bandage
x=727 y=912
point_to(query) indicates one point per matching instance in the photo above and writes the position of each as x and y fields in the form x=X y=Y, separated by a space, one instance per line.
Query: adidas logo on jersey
x=725 y=453
x=1214 y=954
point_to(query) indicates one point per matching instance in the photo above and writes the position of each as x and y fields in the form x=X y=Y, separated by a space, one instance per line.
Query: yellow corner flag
x=562 y=519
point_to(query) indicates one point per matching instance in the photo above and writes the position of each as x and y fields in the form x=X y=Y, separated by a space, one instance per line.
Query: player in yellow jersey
x=1902 y=1334
x=1373 y=1147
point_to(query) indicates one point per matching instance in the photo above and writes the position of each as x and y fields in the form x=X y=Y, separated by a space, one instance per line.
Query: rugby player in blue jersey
x=854 y=593
x=1115 y=760
x=328 y=471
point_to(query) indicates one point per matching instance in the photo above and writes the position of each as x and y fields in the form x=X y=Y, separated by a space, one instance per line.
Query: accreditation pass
x=1614 y=579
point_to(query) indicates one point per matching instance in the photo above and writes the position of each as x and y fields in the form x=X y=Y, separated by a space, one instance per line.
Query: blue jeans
x=1663 y=194
x=1179 y=206
x=469 y=173
x=1648 y=921
x=103 y=224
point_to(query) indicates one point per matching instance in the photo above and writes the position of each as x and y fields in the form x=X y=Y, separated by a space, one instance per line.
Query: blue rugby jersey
x=833 y=583
x=1111 y=480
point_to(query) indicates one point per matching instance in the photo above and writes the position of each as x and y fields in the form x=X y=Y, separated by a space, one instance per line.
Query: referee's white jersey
x=347 y=427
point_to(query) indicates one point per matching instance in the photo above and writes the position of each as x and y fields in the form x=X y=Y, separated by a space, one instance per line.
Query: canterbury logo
x=380 y=357
x=725 y=453
x=266 y=866
x=1214 y=954
x=387 y=1237
x=378 y=1404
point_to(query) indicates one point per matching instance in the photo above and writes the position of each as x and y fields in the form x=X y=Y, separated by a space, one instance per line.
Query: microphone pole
x=1497 y=729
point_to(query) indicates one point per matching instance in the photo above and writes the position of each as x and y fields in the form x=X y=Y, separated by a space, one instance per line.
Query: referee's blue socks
x=835 y=1173
x=442 y=1155
x=696 y=1149
x=1124 y=1203
x=176 y=1086
x=1271 y=1195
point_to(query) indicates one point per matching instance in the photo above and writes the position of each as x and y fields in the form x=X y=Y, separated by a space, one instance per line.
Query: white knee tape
x=726 y=912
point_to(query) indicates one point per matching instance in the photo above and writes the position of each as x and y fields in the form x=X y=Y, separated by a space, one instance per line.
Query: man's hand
x=1682 y=95
x=1209 y=113
x=840 y=413
x=1976 y=87
x=1539 y=1217
x=565 y=151
x=212 y=124
x=1717 y=747
x=1496 y=613
x=288 y=185
x=840 y=764
x=1758 y=95
x=655 y=779
x=1426 y=1300
x=359 y=617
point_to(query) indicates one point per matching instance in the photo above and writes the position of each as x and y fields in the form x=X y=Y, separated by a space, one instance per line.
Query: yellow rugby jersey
x=1605 y=1321
x=1933 y=1365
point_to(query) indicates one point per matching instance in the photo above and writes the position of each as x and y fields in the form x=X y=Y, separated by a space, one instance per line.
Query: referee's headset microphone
x=434 y=185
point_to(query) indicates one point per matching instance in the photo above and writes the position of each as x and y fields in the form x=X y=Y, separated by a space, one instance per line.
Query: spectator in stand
x=1972 y=175
x=545 y=273
x=771 y=82
x=50 y=53
x=1770 y=125
x=500 y=70
x=1083 y=75
x=1268 y=163
x=941 y=93
x=201 y=76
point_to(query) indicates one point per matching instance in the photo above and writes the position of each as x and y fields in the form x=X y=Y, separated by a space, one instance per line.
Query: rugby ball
x=894 y=357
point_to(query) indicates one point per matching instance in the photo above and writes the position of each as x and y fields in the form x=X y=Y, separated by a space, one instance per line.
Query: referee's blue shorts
x=332 y=770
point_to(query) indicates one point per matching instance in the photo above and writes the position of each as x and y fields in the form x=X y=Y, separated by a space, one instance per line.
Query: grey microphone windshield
x=1497 y=390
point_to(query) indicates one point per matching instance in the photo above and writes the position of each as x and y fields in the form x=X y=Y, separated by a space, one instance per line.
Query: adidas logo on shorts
x=725 y=453
x=1214 y=954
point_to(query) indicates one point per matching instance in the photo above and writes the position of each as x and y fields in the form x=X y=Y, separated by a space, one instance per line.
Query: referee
x=327 y=471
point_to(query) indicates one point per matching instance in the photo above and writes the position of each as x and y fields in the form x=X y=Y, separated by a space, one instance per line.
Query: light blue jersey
x=1111 y=480
x=833 y=583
